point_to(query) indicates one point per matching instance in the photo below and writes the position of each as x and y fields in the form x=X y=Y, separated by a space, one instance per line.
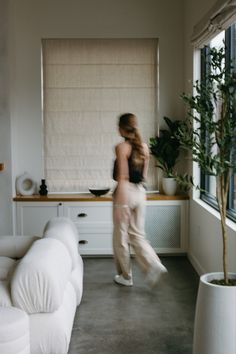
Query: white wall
x=193 y=12
x=32 y=20
x=5 y=132
x=205 y=244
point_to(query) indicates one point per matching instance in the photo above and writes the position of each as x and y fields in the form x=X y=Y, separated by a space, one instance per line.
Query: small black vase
x=43 y=188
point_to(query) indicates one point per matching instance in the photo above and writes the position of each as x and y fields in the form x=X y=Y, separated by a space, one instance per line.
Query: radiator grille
x=163 y=226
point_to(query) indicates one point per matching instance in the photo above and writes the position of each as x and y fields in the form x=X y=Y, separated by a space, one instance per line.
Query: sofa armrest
x=39 y=280
x=15 y=246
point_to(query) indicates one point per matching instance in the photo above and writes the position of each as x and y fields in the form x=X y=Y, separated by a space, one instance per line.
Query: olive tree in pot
x=166 y=149
x=212 y=109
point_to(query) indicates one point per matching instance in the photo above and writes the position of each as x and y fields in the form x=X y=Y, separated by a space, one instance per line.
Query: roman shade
x=218 y=18
x=87 y=84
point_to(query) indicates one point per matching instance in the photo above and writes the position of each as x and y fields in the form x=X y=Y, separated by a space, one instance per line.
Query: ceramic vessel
x=99 y=191
x=25 y=185
x=215 y=318
x=43 y=188
x=169 y=185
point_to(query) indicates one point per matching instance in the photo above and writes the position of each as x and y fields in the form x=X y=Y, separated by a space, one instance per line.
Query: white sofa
x=44 y=277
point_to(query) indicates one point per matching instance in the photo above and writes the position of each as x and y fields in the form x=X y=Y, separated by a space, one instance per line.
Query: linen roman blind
x=87 y=84
x=217 y=19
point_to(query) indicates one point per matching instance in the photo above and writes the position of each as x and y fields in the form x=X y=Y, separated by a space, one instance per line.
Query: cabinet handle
x=82 y=215
x=83 y=242
x=60 y=204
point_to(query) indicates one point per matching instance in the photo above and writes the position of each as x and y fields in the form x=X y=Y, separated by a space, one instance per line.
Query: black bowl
x=99 y=191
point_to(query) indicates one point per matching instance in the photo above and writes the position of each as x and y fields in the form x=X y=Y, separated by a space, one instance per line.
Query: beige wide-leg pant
x=129 y=221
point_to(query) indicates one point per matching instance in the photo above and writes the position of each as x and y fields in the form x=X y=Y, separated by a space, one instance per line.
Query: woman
x=129 y=200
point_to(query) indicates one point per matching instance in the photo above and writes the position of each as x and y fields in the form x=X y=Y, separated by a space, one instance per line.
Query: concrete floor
x=135 y=320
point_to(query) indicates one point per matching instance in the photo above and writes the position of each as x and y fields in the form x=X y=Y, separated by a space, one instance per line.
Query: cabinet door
x=166 y=226
x=31 y=217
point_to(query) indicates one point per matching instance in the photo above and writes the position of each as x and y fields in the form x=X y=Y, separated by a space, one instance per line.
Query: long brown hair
x=128 y=123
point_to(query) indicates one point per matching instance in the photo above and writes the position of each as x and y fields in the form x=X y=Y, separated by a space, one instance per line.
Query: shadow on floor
x=112 y=319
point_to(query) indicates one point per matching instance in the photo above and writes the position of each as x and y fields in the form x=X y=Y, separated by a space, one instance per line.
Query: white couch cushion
x=5 y=298
x=14 y=331
x=65 y=223
x=6 y=267
x=15 y=246
x=51 y=332
x=63 y=229
x=40 y=278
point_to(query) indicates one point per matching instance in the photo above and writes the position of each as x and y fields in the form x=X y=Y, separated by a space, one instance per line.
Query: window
x=227 y=39
x=87 y=84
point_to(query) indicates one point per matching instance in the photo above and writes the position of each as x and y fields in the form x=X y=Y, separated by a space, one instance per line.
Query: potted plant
x=166 y=149
x=212 y=108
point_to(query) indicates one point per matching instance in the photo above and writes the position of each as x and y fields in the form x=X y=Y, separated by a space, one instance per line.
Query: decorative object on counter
x=43 y=190
x=169 y=185
x=25 y=185
x=99 y=191
x=166 y=148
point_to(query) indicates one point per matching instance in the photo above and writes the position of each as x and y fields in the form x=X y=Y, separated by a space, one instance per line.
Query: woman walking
x=129 y=201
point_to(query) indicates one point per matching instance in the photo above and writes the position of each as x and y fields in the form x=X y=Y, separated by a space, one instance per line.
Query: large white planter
x=169 y=185
x=215 y=317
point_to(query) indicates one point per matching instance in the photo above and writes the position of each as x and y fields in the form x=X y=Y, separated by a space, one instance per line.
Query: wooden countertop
x=87 y=197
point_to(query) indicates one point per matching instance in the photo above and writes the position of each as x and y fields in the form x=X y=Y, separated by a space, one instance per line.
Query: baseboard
x=180 y=254
x=196 y=265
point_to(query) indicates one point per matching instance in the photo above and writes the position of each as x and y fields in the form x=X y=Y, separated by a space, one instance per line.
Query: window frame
x=205 y=195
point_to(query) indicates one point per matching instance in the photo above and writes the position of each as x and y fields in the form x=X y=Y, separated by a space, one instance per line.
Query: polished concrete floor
x=135 y=320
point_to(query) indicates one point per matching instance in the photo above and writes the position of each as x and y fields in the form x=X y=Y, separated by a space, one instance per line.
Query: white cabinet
x=94 y=223
x=31 y=217
x=166 y=223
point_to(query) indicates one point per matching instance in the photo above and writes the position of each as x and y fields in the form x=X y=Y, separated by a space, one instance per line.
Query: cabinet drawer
x=94 y=244
x=87 y=214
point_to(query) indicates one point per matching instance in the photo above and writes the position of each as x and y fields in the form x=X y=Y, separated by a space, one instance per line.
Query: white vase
x=25 y=185
x=169 y=185
x=215 y=317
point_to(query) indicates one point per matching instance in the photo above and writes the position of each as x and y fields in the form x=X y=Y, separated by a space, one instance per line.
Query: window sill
x=231 y=224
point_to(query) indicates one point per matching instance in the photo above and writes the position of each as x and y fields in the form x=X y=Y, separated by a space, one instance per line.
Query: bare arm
x=122 y=152
x=146 y=162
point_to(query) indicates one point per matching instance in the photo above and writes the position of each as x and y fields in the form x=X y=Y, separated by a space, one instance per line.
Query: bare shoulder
x=146 y=149
x=123 y=148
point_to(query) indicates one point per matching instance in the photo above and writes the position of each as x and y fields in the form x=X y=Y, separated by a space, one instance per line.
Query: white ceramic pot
x=169 y=185
x=215 y=317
